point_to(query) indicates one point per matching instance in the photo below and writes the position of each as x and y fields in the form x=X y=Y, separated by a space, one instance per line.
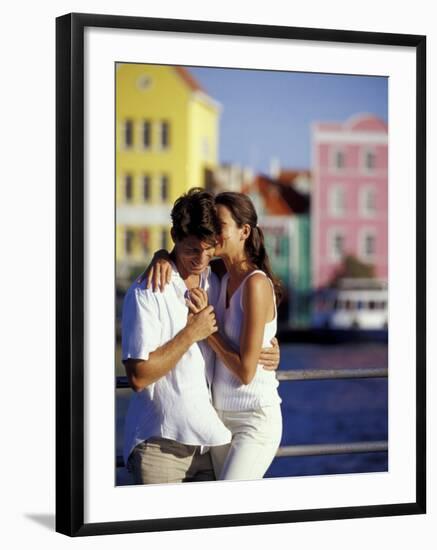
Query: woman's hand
x=158 y=272
x=198 y=300
x=269 y=358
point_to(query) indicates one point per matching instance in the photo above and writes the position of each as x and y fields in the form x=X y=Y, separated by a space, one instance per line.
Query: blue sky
x=269 y=114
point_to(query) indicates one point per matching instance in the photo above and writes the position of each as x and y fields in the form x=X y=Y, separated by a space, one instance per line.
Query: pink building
x=349 y=195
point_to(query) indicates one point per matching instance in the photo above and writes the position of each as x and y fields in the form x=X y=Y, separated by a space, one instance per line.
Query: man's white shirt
x=178 y=405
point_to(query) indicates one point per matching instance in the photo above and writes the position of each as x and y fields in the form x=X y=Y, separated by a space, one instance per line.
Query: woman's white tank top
x=229 y=394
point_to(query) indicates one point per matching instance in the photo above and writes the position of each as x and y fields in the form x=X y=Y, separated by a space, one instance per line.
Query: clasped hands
x=198 y=301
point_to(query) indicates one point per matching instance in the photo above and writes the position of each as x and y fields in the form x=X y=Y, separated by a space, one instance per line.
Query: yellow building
x=167 y=142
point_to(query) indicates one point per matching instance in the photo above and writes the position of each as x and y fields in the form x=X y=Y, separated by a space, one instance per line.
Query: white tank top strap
x=271 y=284
x=252 y=273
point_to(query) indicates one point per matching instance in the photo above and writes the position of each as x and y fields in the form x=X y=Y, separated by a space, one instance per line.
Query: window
x=369 y=160
x=146 y=187
x=336 y=246
x=164 y=188
x=128 y=187
x=128 y=241
x=144 y=82
x=208 y=180
x=164 y=134
x=367 y=201
x=147 y=134
x=368 y=245
x=164 y=239
x=339 y=160
x=337 y=201
x=128 y=133
x=144 y=240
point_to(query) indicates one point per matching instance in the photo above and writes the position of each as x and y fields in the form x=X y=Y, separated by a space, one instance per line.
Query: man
x=171 y=422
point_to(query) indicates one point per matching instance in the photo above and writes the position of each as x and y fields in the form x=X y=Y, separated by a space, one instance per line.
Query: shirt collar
x=180 y=284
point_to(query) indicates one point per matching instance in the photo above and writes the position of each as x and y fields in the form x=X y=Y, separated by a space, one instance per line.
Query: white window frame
x=334 y=232
x=335 y=191
x=363 y=193
x=334 y=151
x=362 y=236
x=364 y=151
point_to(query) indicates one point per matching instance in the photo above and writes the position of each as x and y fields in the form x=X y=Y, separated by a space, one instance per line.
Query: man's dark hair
x=194 y=214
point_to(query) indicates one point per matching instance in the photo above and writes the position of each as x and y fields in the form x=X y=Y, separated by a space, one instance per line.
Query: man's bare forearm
x=142 y=373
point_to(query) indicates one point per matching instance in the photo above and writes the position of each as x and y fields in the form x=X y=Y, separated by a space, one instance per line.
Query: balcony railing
x=322 y=449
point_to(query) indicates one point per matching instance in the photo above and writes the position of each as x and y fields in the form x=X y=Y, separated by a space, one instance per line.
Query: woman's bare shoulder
x=257 y=297
x=257 y=285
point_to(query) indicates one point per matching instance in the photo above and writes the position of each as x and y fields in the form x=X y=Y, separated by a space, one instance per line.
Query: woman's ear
x=172 y=235
x=246 y=229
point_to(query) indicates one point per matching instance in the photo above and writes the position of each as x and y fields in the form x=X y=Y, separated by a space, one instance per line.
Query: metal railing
x=321 y=449
x=328 y=374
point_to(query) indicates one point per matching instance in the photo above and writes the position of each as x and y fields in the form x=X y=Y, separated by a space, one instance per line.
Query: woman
x=244 y=393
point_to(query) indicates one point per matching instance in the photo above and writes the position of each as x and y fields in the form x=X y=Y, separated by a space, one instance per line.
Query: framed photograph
x=322 y=134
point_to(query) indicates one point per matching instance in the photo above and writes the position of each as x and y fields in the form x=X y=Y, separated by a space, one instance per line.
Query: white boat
x=353 y=304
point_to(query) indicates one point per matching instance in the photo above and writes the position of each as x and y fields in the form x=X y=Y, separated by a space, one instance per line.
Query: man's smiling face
x=193 y=255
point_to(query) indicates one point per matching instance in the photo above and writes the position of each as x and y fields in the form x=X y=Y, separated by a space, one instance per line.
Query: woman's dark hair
x=243 y=212
x=194 y=214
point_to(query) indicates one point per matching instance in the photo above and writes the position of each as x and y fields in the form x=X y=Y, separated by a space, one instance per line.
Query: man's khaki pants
x=160 y=460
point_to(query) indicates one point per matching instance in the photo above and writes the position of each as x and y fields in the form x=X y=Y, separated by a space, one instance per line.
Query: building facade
x=166 y=143
x=284 y=218
x=349 y=196
x=232 y=177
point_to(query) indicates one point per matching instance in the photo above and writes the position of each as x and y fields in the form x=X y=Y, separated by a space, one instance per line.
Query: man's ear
x=172 y=234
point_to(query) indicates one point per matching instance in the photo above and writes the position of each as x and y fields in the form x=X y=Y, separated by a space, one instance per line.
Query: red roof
x=273 y=200
x=189 y=79
x=280 y=199
x=289 y=176
x=366 y=123
x=359 y=122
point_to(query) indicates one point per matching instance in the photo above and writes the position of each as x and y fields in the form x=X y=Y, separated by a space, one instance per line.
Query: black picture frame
x=70 y=236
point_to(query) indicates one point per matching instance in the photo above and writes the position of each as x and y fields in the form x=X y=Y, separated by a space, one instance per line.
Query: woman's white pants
x=256 y=436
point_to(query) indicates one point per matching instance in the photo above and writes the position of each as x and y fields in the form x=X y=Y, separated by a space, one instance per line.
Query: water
x=325 y=411
x=333 y=411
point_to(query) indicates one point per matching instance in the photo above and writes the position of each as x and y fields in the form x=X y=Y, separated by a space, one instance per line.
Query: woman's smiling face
x=230 y=239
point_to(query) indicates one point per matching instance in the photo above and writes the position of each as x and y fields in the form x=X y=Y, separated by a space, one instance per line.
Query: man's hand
x=198 y=300
x=158 y=272
x=270 y=357
x=201 y=325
